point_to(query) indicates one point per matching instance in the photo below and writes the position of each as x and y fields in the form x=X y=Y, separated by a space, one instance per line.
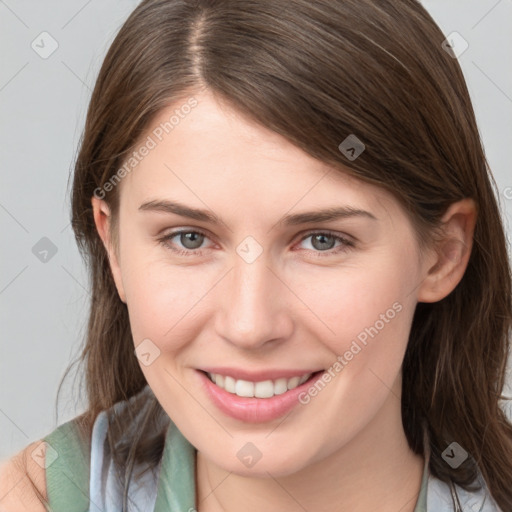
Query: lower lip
x=254 y=410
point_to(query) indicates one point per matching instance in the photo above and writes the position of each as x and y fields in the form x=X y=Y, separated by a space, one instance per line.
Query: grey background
x=43 y=102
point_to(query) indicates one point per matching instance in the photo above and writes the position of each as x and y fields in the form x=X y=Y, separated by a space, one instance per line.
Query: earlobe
x=102 y=220
x=444 y=272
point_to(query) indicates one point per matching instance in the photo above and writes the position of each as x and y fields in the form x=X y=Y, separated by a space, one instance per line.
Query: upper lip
x=259 y=375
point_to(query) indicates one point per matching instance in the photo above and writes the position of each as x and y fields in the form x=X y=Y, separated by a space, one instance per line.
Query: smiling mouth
x=261 y=389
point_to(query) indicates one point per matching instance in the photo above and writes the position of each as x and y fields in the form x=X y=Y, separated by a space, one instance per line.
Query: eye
x=324 y=242
x=190 y=239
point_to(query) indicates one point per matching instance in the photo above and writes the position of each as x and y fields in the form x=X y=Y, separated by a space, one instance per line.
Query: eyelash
x=346 y=243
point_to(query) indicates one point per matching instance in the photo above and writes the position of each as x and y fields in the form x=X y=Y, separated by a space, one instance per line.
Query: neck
x=376 y=471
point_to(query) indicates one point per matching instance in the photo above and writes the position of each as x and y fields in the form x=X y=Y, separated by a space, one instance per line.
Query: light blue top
x=81 y=477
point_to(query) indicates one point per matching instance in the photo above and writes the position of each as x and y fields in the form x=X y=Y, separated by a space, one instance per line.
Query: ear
x=102 y=219
x=449 y=259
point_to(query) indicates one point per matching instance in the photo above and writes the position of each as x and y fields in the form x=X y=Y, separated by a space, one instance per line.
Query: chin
x=279 y=464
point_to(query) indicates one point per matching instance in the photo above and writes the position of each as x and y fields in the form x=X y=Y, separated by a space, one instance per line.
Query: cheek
x=163 y=300
x=366 y=315
x=346 y=303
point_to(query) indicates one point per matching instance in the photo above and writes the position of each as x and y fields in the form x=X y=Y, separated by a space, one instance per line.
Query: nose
x=253 y=311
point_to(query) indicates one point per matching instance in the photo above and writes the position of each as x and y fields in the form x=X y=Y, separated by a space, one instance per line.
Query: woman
x=301 y=288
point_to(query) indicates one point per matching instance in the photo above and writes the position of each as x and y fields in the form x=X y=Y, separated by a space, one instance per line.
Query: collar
x=177 y=488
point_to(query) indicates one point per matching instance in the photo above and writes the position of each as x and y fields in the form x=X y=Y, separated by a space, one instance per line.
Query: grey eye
x=191 y=239
x=322 y=241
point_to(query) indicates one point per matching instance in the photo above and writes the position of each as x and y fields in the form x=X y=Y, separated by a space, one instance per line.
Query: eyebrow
x=324 y=215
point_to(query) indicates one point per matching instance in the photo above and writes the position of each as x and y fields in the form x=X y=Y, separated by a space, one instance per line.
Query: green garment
x=67 y=477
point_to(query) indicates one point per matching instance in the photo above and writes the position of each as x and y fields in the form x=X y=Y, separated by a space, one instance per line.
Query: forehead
x=213 y=153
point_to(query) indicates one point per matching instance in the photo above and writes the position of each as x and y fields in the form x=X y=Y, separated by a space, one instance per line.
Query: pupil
x=195 y=238
x=322 y=239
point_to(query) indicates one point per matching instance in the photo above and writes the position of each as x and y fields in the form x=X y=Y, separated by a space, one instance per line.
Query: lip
x=254 y=410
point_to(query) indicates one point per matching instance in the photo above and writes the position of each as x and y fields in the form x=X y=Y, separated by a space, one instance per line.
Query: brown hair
x=316 y=71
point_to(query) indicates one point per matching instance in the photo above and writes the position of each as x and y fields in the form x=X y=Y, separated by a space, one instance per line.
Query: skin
x=296 y=306
x=16 y=491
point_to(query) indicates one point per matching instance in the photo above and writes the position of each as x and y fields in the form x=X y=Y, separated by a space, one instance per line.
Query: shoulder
x=41 y=473
x=67 y=464
x=22 y=477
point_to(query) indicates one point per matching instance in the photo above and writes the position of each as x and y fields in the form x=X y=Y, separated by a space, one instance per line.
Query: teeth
x=229 y=384
x=244 y=388
x=303 y=379
x=293 y=382
x=280 y=386
x=263 y=389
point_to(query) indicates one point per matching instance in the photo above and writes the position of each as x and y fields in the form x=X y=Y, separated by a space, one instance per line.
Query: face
x=312 y=315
